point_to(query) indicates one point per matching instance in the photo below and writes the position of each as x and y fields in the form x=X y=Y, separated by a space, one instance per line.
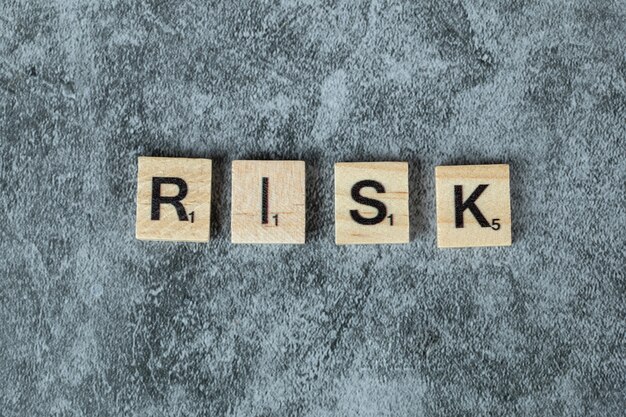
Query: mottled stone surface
x=94 y=322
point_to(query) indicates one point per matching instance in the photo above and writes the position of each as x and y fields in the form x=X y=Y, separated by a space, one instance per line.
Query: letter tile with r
x=173 y=199
x=473 y=206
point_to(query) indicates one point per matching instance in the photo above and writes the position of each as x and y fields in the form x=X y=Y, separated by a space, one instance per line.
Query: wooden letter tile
x=371 y=202
x=473 y=206
x=268 y=202
x=173 y=199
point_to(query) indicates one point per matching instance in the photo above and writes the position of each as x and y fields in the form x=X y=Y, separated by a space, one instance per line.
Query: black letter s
x=356 y=196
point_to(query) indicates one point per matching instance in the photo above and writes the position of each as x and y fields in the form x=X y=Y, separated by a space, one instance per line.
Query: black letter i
x=264 y=200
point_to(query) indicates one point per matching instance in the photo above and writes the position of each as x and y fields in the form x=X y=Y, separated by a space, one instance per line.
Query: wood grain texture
x=196 y=173
x=285 y=220
x=493 y=203
x=393 y=176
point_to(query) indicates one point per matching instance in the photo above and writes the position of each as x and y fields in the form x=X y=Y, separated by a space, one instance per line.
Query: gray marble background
x=94 y=322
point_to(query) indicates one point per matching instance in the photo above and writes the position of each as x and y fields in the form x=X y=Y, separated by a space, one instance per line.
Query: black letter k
x=460 y=206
